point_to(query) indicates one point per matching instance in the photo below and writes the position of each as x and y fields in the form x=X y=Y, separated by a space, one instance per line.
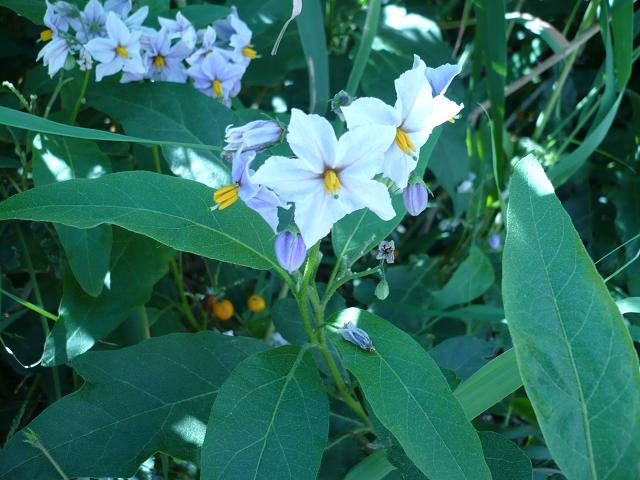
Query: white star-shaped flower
x=330 y=178
x=415 y=114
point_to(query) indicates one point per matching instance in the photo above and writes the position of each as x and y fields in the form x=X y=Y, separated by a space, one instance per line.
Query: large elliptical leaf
x=171 y=210
x=270 y=419
x=411 y=398
x=166 y=111
x=137 y=263
x=58 y=159
x=154 y=396
x=574 y=353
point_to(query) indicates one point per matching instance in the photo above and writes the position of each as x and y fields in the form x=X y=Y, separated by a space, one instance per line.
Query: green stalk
x=30 y=306
x=83 y=91
x=364 y=49
x=186 y=308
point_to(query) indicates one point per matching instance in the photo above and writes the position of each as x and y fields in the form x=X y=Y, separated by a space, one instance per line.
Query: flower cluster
x=111 y=35
x=330 y=177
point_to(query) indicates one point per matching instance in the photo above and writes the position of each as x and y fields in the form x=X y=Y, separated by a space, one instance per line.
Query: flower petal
x=312 y=138
x=266 y=203
x=443 y=110
x=362 y=149
x=316 y=212
x=397 y=166
x=371 y=194
x=291 y=178
x=441 y=77
x=108 y=68
x=411 y=85
x=117 y=30
x=368 y=110
x=102 y=49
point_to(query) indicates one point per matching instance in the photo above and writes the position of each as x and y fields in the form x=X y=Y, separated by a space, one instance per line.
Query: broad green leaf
x=409 y=395
x=574 y=352
x=270 y=419
x=464 y=354
x=374 y=467
x=137 y=263
x=177 y=113
x=154 y=396
x=505 y=459
x=27 y=121
x=314 y=43
x=360 y=231
x=31 y=9
x=171 y=210
x=57 y=159
x=489 y=385
x=472 y=278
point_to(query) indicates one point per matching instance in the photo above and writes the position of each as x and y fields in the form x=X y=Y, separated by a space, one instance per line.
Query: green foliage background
x=501 y=351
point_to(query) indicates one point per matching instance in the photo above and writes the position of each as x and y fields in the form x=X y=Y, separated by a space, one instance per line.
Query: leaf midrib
x=140 y=209
x=63 y=444
x=584 y=413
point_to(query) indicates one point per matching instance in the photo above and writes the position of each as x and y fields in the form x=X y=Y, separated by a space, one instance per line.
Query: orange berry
x=256 y=303
x=223 y=310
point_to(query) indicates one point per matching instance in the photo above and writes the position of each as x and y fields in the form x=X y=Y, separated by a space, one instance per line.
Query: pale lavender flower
x=415 y=198
x=54 y=54
x=256 y=197
x=290 y=251
x=120 y=51
x=181 y=28
x=92 y=22
x=256 y=135
x=240 y=40
x=162 y=60
x=66 y=15
x=217 y=77
x=208 y=45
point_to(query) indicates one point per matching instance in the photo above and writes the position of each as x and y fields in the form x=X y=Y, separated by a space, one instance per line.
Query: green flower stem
x=39 y=303
x=304 y=296
x=186 y=308
x=334 y=284
x=30 y=306
x=364 y=49
x=83 y=91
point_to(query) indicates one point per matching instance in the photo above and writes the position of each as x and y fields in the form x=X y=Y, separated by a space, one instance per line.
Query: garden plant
x=300 y=239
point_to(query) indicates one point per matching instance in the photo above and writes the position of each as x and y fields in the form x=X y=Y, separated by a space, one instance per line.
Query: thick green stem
x=364 y=49
x=79 y=100
x=186 y=308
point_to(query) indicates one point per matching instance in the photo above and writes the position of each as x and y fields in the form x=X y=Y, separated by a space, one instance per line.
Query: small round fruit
x=223 y=310
x=256 y=303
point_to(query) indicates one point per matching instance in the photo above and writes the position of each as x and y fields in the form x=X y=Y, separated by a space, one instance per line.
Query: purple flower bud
x=357 y=336
x=290 y=250
x=256 y=135
x=495 y=241
x=415 y=198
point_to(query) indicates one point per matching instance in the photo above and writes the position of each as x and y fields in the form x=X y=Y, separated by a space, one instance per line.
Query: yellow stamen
x=123 y=52
x=452 y=120
x=46 y=35
x=331 y=182
x=404 y=142
x=217 y=88
x=158 y=62
x=226 y=196
x=249 y=52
